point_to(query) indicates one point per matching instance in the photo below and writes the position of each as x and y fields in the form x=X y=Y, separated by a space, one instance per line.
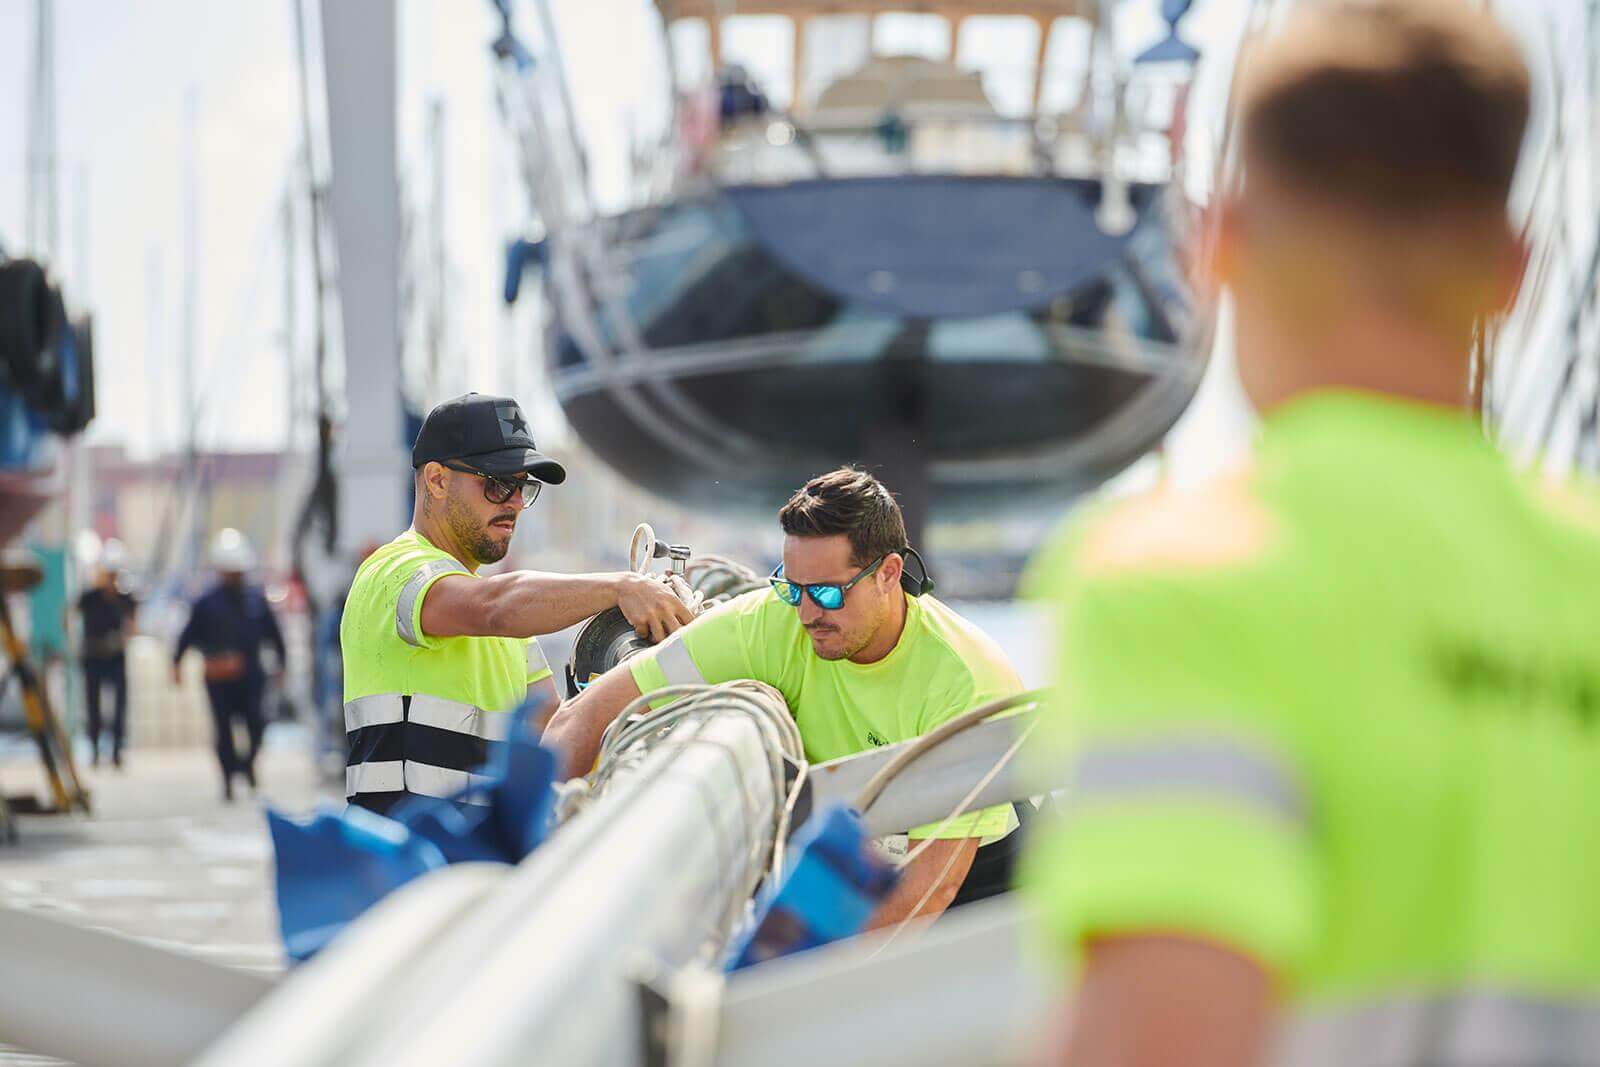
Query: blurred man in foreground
x=1331 y=724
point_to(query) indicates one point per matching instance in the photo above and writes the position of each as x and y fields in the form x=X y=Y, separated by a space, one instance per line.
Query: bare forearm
x=577 y=727
x=1161 y=1001
x=936 y=875
x=546 y=702
x=533 y=603
x=576 y=738
x=526 y=604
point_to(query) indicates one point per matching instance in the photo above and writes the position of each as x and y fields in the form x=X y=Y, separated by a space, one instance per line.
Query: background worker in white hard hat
x=229 y=625
x=106 y=613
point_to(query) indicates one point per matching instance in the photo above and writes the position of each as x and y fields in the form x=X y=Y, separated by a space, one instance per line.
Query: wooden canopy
x=1044 y=12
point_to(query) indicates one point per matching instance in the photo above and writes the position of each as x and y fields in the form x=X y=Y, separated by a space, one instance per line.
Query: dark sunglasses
x=825 y=595
x=501 y=490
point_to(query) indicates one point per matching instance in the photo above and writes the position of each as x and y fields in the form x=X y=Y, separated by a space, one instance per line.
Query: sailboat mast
x=40 y=149
x=191 y=317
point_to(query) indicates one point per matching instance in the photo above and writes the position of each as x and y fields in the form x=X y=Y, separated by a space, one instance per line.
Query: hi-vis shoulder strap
x=405 y=608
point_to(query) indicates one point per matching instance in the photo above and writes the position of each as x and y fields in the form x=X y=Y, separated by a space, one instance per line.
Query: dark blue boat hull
x=984 y=329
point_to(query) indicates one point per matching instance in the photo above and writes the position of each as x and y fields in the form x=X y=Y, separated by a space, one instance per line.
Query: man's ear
x=891 y=570
x=436 y=480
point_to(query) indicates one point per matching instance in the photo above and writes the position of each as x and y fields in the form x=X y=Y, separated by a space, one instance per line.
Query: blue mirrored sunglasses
x=825 y=595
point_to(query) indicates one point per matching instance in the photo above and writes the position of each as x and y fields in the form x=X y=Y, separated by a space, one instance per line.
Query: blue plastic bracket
x=337 y=864
x=835 y=881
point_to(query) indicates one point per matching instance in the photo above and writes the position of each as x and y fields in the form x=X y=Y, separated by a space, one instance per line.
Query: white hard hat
x=88 y=549
x=231 y=551
x=113 y=556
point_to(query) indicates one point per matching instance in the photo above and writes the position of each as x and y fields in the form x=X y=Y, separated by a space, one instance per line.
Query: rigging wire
x=195 y=475
x=955 y=813
x=920 y=747
x=323 y=498
x=633 y=735
x=627 y=735
x=1540 y=397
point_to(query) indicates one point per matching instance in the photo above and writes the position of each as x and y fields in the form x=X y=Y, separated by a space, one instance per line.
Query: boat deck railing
x=1110 y=128
x=773 y=150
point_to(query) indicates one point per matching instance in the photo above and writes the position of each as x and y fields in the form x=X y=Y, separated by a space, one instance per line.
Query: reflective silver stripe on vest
x=1207 y=766
x=1479 y=1028
x=452 y=715
x=405 y=607
x=541 y=698
x=431 y=781
x=383 y=777
x=537 y=664
x=677 y=666
x=378 y=710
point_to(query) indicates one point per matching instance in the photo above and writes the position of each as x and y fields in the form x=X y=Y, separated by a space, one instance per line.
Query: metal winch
x=608 y=638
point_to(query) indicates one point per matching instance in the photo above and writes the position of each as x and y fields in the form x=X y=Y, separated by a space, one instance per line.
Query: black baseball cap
x=486 y=433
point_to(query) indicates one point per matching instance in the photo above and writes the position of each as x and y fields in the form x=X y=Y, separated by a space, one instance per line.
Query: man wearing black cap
x=435 y=656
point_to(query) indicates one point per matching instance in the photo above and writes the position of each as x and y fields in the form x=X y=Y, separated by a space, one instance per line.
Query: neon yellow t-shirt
x=943 y=665
x=386 y=650
x=1341 y=714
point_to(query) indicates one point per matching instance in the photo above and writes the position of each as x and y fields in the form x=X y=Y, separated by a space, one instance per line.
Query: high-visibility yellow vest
x=421 y=714
x=1341 y=713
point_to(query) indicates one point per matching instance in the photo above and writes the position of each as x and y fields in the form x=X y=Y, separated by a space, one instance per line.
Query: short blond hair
x=1395 y=108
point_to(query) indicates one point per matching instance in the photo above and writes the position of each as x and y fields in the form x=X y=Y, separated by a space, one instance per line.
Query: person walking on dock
x=106 y=615
x=230 y=625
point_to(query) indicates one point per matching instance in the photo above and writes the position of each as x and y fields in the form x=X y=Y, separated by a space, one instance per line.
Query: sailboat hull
x=734 y=345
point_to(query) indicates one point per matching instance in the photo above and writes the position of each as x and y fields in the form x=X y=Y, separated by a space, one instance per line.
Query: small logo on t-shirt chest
x=874 y=740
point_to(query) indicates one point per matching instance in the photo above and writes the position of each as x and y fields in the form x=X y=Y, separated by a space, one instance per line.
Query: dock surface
x=163 y=858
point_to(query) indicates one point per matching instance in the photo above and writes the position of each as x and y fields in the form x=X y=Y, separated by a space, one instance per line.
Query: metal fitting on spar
x=608 y=639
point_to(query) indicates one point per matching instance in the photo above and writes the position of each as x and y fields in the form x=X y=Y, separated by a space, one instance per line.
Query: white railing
x=777 y=149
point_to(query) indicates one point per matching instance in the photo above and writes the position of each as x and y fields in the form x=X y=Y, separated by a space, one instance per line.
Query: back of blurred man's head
x=1378 y=140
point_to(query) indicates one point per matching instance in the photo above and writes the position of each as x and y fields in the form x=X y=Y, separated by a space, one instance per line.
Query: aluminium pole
x=548 y=972
x=359 y=39
x=543 y=966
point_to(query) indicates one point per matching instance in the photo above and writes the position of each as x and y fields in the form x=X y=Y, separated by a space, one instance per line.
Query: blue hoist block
x=521 y=255
x=337 y=864
x=834 y=882
x=501 y=820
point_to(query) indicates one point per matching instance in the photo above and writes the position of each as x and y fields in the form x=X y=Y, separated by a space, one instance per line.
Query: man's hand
x=652 y=605
x=931 y=880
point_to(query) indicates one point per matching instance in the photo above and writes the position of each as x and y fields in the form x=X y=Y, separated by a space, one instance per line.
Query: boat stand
x=55 y=752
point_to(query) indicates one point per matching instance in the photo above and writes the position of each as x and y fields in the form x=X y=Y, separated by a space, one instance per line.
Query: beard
x=472 y=534
x=842 y=645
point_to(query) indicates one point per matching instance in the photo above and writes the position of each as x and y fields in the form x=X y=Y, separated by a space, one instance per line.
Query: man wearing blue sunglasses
x=861 y=662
